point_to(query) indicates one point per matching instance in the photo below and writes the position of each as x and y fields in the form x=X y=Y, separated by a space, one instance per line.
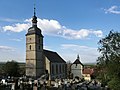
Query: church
x=38 y=60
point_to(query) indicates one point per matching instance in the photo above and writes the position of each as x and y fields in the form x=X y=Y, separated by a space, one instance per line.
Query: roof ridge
x=48 y=50
x=77 y=61
x=53 y=56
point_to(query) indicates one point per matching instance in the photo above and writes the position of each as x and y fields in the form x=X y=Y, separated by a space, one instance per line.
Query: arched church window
x=30 y=47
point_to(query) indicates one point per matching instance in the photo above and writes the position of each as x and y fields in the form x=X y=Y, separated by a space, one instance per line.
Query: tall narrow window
x=39 y=40
x=39 y=47
x=60 y=68
x=56 y=69
x=63 y=68
x=30 y=47
x=52 y=69
x=30 y=40
x=76 y=66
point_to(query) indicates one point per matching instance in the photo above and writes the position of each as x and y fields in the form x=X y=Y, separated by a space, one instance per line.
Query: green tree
x=11 y=68
x=109 y=61
x=114 y=84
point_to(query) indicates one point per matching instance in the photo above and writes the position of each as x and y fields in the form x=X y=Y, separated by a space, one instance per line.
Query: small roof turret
x=34 y=19
x=77 y=61
x=34 y=29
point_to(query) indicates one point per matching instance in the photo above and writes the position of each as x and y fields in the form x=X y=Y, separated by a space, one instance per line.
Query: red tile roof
x=88 y=71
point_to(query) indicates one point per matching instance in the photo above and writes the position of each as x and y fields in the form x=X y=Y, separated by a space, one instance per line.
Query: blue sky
x=70 y=27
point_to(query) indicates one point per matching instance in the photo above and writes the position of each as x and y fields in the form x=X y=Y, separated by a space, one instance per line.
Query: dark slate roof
x=34 y=30
x=77 y=61
x=53 y=56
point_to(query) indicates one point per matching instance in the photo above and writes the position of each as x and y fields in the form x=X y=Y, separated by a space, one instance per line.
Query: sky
x=69 y=27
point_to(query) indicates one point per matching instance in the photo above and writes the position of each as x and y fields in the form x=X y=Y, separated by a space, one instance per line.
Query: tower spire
x=34 y=10
x=34 y=19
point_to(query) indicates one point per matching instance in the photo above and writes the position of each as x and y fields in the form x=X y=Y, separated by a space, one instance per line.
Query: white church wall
x=76 y=69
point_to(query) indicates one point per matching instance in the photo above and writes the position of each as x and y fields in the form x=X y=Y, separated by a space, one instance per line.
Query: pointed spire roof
x=34 y=19
x=77 y=61
x=34 y=10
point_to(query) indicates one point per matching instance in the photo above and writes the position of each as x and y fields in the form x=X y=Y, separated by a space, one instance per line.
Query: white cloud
x=17 y=27
x=6 y=48
x=98 y=33
x=9 y=20
x=0 y=29
x=76 y=48
x=54 y=28
x=80 y=34
x=16 y=39
x=113 y=9
x=87 y=54
x=49 y=27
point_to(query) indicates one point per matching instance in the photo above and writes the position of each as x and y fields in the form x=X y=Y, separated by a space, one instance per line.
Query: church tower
x=34 y=50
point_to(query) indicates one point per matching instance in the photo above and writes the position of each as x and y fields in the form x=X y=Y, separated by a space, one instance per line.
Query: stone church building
x=38 y=60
